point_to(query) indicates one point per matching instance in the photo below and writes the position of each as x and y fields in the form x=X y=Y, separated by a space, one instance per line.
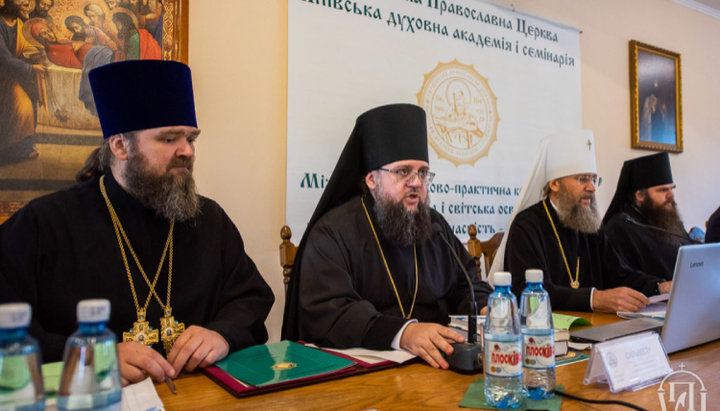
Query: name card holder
x=628 y=363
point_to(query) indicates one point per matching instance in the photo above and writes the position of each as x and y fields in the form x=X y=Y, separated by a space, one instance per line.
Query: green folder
x=51 y=377
x=274 y=363
x=564 y=322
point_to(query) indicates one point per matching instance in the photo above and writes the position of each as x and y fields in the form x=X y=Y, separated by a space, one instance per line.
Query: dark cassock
x=340 y=293
x=62 y=248
x=347 y=299
x=88 y=241
x=532 y=244
x=713 y=228
x=645 y=249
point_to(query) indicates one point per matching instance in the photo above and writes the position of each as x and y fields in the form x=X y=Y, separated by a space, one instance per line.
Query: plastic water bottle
x=90 y=377
x=503 y=370
x=21 y=383
x=538 y=338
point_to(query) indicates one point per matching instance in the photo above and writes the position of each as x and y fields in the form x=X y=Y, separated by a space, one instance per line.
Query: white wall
x=238 y=54
x=607 y=27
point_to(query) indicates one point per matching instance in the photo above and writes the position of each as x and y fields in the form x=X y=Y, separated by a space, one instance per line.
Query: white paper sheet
x=372 y=356
x=141 y=397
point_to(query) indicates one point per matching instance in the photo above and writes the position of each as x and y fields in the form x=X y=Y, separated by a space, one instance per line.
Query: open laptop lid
x=693 y=313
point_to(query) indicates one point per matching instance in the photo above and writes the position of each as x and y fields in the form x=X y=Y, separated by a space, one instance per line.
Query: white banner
x=492 y=81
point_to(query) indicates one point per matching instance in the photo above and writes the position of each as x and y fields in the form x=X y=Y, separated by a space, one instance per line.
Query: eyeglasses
x=585 y=179
x=404 y=175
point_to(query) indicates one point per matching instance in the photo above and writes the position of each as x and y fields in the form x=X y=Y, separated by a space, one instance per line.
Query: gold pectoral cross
x=171 y=330
x=141 y=331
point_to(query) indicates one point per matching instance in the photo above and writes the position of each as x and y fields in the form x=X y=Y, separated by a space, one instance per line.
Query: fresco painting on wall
x=48 y=122
x=655 y=98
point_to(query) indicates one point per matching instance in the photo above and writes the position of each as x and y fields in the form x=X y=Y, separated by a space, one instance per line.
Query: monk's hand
x=137 y=361
x=429 y=341
x=197 y=347
x=619 y=299
x=664 y=287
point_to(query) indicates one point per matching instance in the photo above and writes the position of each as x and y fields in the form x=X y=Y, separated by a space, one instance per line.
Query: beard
x=573 y=215
x=171 y=196
x=662 y=217
x=399 y=224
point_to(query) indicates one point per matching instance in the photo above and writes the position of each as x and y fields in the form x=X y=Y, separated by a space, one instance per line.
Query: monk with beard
x=135 y=231
x=642 y=222
x=560 y=234
x=372 y=269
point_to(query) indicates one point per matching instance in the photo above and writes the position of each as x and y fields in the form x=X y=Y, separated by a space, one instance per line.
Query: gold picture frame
x=64 y=127
x=655 y=98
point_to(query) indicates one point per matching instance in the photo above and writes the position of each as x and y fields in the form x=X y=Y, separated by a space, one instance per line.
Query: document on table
x=141 y=397
x=135 y=397
x=656 y=309
x=373 y=356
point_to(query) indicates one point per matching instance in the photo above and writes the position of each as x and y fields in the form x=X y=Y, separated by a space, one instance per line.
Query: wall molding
x=697 y=6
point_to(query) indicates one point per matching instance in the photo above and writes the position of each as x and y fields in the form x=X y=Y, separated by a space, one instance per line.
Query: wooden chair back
x=287 y=254
x=483 y=249
x=477 y=249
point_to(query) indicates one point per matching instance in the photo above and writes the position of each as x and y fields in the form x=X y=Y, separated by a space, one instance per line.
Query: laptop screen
x=693 y=313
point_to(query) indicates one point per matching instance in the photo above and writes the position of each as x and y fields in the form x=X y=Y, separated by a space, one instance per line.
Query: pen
x=171 y=385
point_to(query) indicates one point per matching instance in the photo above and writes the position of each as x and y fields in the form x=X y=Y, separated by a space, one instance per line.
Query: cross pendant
x=171 y=330
x=141 y=331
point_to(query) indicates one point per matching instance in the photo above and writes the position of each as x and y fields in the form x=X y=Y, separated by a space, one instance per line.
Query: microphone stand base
x=466 y=358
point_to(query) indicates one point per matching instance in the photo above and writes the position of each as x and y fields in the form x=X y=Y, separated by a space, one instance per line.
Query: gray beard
x=398 y=223
x=171 y=196
x=666 y=219
x=573 y=215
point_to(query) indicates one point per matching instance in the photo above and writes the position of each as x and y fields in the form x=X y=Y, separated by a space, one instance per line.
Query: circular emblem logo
x=461 y=112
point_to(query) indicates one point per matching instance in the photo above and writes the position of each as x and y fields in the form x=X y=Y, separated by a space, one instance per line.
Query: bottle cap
x=14 y=315
x=502 y=278
x=533 y=275
x=92 y=311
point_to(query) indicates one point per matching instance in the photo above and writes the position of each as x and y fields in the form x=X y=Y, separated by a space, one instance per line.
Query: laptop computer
x=691 y=318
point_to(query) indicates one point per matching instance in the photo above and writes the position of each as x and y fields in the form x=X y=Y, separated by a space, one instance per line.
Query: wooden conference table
x=419 y=386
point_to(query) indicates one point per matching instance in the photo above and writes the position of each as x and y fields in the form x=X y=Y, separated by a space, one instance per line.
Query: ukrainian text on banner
x=492 y=81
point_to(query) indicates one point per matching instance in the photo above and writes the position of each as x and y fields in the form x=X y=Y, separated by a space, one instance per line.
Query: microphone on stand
x=466 y=357
x=631 y=220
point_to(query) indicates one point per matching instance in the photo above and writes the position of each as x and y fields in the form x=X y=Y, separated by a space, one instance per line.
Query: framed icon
x=48 y=122
x=655 y=98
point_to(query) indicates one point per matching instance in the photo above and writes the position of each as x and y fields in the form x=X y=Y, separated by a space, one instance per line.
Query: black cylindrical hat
x=140 y=94
x=637 y=174
x=392 y=133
